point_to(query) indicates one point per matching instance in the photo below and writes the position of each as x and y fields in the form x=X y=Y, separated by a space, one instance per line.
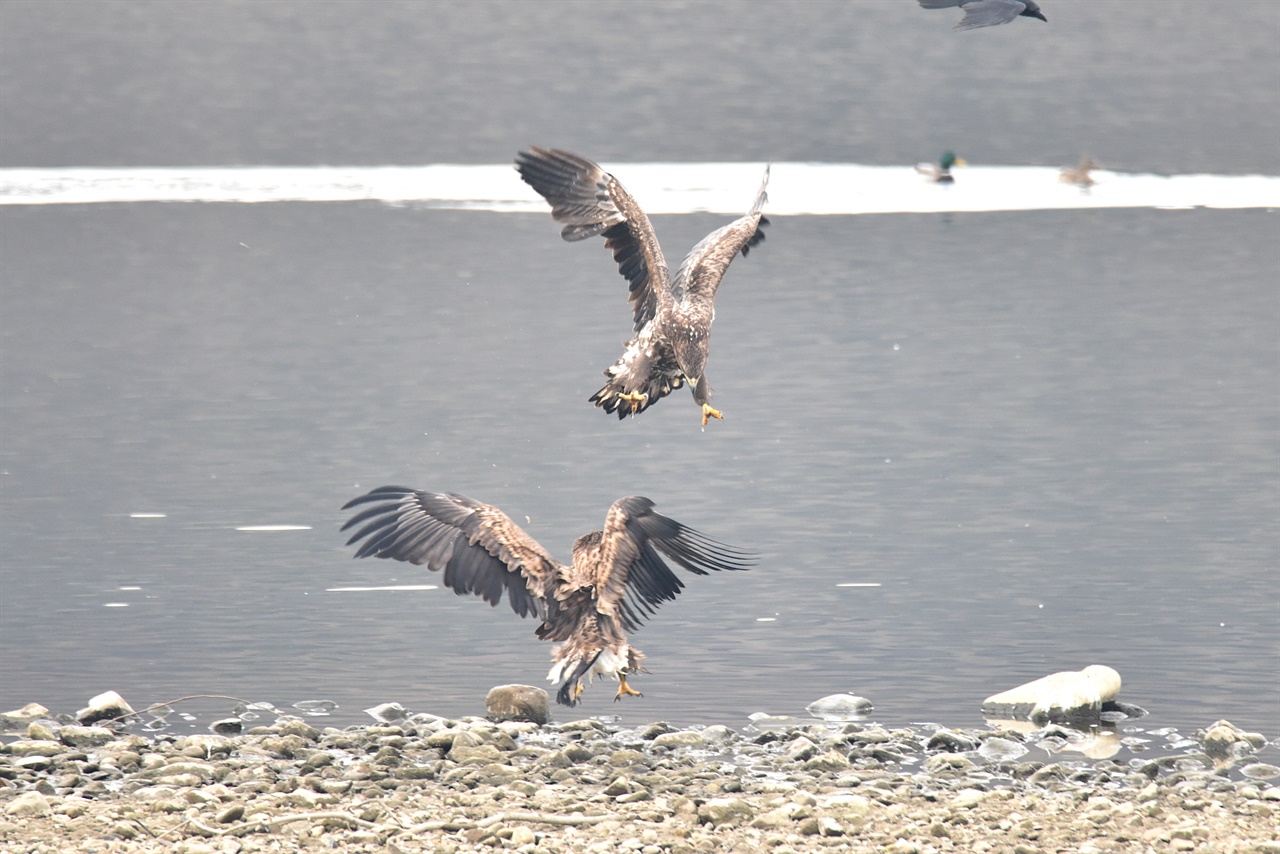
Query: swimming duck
x=940 y=172
x=1080 y=174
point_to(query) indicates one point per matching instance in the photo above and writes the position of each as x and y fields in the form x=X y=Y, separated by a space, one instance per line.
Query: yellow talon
x=624 y=689
x=577 y=691
x=637 y=398
x=708 y=412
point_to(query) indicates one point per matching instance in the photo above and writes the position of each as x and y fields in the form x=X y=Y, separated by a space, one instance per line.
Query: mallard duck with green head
x=940 y=172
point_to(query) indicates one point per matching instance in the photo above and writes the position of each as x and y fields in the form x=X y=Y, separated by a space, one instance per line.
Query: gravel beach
x=428 y=784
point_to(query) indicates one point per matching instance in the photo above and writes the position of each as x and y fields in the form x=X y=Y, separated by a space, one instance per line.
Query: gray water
x=1053 y=439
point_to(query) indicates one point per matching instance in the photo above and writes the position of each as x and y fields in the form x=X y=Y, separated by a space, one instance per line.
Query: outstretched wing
x=479 y=548
x=632 y=576
x=705 y=265
x=980 y=13
x=590 y=201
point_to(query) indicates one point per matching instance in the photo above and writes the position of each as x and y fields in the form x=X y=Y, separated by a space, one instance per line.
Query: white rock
x=104 y=706
x=839 y=707
x=1062 y=694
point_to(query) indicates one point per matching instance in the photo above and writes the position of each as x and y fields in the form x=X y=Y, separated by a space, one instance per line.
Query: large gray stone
x=518 y=703
x=85 y=736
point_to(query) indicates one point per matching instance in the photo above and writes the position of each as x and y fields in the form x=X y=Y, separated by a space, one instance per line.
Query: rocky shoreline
x=428 y=784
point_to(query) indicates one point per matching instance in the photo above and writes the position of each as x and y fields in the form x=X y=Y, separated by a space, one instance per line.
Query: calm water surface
x=1059 y=454
x=1053 y=439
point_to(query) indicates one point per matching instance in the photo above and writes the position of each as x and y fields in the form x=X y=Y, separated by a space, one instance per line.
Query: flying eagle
x=672 y=319
x=618 y=577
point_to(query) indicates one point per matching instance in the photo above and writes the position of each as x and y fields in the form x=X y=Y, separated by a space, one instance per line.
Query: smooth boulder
x=517 y=703
x=1069 y=696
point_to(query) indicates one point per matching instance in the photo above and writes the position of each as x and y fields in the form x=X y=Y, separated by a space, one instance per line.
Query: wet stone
x=518 y=703
x=949 y=741
x=1001 y=750
x=684 y=738
x=839 y=707
x=107 y=706
x=943 y=762
x=1260 y=771
x=85 y=736
x=227 y=726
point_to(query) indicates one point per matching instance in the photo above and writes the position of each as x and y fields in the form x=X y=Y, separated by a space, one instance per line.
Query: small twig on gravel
x=178 y=700
x=276 y=823
x=140 y=824
x=202 y=829
x=427 y=826
x=489 y=821
x=562 y=820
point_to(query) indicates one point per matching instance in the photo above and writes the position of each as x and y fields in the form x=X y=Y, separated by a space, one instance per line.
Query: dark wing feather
x=705 y=265
x=590 y=201
x=479 y=549
x=632 y=578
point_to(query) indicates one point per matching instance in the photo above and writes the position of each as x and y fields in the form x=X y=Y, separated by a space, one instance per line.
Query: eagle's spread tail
x=646 y=373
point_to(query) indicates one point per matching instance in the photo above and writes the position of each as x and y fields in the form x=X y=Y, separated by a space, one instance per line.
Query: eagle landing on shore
x=618 y=577
x=672 y=318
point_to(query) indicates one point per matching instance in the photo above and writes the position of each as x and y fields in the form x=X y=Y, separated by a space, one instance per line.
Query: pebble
x=425 y=784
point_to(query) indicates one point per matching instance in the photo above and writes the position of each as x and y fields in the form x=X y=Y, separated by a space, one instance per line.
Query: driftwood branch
x=155 y=706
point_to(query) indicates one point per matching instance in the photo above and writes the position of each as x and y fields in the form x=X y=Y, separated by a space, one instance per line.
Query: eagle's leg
x=578 y=688
x=708 y=412
x=633 y=396
x=624 y=689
